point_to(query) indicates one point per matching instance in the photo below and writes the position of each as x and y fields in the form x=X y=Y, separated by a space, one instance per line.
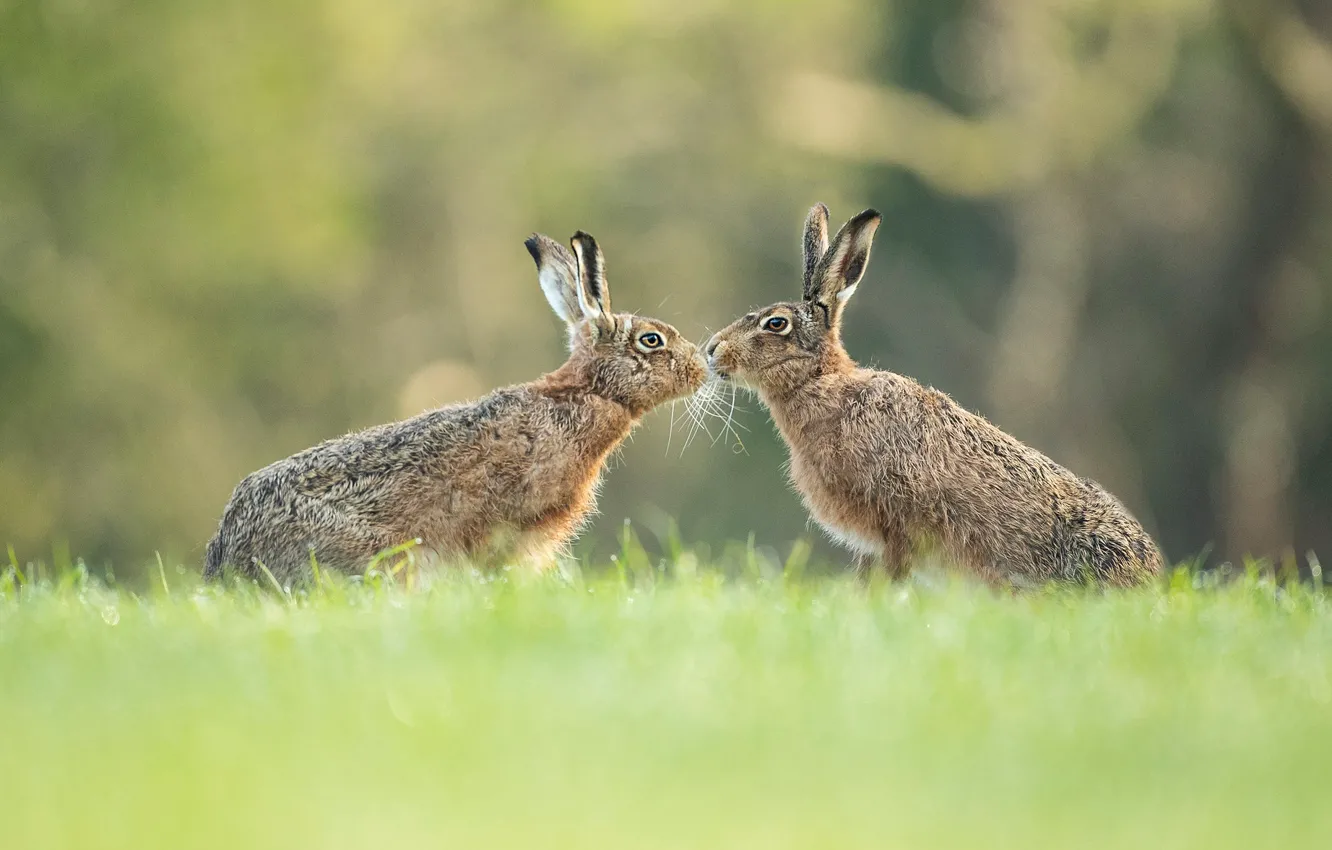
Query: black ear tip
x=583 y=241
x=869 y=219
x=533 y=245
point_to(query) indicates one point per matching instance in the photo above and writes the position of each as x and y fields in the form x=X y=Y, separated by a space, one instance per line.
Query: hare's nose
x=711 y=347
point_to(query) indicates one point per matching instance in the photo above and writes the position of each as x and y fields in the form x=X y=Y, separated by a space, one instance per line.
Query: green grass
x=732 y=708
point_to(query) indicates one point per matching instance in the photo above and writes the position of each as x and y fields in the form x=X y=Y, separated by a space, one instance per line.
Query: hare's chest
x=559 y=479
x=553 y=507
x=835 y=508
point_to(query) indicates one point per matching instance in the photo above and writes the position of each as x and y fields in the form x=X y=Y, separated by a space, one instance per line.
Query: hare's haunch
x=511 y=476
x=889 y=467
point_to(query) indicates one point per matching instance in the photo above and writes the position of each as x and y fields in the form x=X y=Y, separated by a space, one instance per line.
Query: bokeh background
x=229 y=230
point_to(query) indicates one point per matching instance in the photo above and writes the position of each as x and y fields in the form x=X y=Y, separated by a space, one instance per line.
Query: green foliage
x=662 y=704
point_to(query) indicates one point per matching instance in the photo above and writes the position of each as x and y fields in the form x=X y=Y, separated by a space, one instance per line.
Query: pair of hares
x=888 y=467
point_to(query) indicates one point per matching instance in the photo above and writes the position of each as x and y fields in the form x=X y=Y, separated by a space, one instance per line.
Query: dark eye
x=776 y=324
x=651 y=339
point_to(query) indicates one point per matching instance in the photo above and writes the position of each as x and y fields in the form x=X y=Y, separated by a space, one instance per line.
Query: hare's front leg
x=892 y=562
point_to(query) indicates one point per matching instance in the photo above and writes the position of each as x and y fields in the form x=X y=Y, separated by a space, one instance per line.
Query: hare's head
x=635 y=361
x=785 y=344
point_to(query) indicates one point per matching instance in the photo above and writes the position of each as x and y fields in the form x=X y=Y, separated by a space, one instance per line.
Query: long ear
x=593 y=291
x=816 y=245
x=557 y=271
x=838 y=273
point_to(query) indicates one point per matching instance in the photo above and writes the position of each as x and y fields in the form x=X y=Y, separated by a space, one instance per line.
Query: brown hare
x=511 y=476
x=891 y=468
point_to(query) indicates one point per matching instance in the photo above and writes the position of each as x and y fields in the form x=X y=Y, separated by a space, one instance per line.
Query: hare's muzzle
x=711 y=346
x=713 y=349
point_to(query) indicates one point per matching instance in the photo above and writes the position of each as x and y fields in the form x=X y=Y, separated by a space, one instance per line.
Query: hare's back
x=419 y=445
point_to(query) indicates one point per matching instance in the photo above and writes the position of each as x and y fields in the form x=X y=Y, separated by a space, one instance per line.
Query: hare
x=891 y=468
x=509 y=477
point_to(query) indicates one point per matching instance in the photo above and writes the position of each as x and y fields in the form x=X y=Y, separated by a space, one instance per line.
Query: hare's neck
x=605 y=424
x=794 y=410
x=809 y=396
x=601 y=423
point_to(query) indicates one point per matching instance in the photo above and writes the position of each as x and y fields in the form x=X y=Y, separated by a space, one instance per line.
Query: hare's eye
x=651 y=339
x=777 y=324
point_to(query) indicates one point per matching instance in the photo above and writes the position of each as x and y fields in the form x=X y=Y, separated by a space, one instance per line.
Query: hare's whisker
x=730 y=421
x=725 y=418
x=693 y=419
x=691 y=415
x=699 y=414
x=670 y=432
x=716 y=399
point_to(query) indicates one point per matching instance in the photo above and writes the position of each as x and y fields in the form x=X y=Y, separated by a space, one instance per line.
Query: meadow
x=697 y=701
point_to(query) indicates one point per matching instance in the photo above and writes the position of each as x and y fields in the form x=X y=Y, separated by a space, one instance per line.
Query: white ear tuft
x=558 y=275
x=552 y=284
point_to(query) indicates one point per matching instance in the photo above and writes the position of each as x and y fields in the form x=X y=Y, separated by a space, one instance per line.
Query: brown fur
x=511 y=476
x=891 y=468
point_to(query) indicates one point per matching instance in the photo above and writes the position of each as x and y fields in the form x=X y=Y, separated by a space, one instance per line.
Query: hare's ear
x=815 y=246
x=557 y=271
x=593 y=292
x=838 y=273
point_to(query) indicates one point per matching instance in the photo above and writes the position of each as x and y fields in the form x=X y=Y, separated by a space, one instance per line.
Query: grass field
x=695 y=707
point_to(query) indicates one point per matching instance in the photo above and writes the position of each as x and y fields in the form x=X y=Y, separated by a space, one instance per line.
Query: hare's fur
x=510 y=477
x=891 y=468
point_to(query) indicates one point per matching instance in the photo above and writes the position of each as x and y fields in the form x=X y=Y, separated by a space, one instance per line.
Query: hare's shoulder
x=909 y=405
x=870 y=402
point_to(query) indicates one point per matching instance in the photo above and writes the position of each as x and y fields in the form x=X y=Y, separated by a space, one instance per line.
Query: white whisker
x=725 y=418
x=670 y=432
x=697 y=421
x=691 y=417
x=715 y=399
x=730 y=423
x=699 y=413
x=718 y=400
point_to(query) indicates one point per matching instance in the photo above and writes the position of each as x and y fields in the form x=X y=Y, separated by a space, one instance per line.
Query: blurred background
x=229 y=230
